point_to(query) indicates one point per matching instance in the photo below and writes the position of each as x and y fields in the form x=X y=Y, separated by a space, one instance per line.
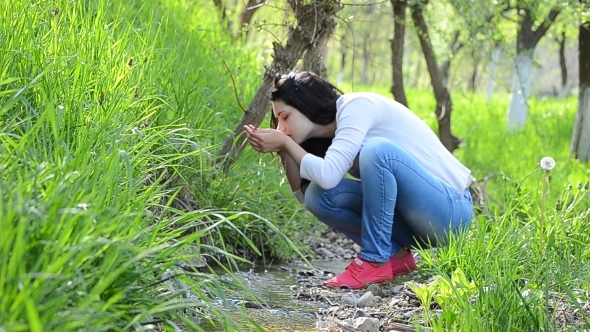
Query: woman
x=409 y=191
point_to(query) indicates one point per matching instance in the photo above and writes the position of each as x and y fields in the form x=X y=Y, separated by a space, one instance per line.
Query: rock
x=325 y=252
x=356 y=248
x=376 y=290
x=349 y=299
x=367 y=300
x=366 y=324
x=394 y=302
x=340 y=251
x=397 y=289
x=359 y=313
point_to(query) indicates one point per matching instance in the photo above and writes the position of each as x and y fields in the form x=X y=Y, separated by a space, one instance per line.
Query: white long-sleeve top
x=364 y=115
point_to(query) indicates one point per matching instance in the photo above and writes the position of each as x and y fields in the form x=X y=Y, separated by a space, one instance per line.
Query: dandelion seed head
x=547 y=163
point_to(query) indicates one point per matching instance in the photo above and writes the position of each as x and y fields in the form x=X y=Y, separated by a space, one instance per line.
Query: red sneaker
x=360 y=273
x=402 y=265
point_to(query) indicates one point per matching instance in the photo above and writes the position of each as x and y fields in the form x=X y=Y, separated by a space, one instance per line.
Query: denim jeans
x=395 y=204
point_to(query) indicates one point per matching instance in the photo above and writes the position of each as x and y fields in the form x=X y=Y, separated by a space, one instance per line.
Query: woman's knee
x=377 y=146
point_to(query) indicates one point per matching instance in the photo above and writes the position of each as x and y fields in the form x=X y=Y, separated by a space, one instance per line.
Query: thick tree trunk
x=444 y=105
x=315 y=59
x=521 y=84
x=397 y=51
x=526 y=42
x=581 y=137
x=247 y=14
x=496 y=53
x=315 y=23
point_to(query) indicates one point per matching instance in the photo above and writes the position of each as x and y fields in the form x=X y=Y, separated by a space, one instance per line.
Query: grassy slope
x=105 y=109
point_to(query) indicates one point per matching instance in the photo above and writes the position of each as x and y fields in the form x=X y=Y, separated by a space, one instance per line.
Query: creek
x=275 y=286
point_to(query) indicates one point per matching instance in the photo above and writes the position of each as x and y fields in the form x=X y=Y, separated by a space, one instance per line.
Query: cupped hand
x=265 y=140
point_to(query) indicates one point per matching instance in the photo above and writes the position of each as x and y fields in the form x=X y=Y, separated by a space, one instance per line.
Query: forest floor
x=392 y=306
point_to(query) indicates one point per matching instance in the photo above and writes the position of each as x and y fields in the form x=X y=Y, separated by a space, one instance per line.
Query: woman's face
x=292 y=122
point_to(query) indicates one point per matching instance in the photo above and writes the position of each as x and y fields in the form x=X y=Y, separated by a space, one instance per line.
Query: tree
x=444 y=105
x=315 y=24
x=247 y=14
x=397 y=51
x=527 y=38
x=581 y=137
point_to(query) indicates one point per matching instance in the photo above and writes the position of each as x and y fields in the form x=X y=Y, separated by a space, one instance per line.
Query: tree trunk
x=315 y=59
x=444 y=105
x=315 y=23
x=526 y=42
x=247 y=14
x=474 y=73
x=397 y=51
x=562 y=65
x=343 y=50
x=446 y=66
x=496 y=53
x=521 y=84
x=367 y=42
x=581 y=137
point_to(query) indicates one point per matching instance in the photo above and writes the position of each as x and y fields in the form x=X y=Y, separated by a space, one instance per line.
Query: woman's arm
x=291 y=170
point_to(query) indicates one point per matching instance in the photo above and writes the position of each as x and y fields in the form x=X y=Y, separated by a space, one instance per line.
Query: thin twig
x=233 y=80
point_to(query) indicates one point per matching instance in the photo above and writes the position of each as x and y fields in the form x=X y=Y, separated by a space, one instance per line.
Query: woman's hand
x=265 y=140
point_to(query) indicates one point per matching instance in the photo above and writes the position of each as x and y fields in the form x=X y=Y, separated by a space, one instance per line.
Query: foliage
x=103 y=108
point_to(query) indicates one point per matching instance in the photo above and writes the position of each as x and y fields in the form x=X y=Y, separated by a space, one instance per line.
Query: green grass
x=111 y=115
x=108 y=113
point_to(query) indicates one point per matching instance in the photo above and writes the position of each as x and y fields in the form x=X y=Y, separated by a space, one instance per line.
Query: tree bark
x=315 y=23
x=581 y=137
x=370 y=11
x=315 y=59
x=247 y=14
x=343 y=50
x=397 y=51
x=526 y=41
x=562 y=64
x=446 y=66
x=444 y=105
x=475 y=72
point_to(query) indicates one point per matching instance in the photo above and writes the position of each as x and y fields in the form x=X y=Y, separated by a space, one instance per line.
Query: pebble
x=367 y=300
x=366 y=324
x=349 y=299
x=376 y=290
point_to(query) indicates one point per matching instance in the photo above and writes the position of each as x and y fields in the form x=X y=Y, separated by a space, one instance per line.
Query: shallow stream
x=275 y=286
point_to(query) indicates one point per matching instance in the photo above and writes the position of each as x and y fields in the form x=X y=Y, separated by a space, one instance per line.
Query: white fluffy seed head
x=547 y=163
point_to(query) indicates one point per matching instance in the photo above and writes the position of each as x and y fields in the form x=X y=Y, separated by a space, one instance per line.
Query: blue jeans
x=397 y=203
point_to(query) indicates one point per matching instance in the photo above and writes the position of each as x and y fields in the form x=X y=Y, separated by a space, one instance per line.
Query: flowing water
x=275 y=287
